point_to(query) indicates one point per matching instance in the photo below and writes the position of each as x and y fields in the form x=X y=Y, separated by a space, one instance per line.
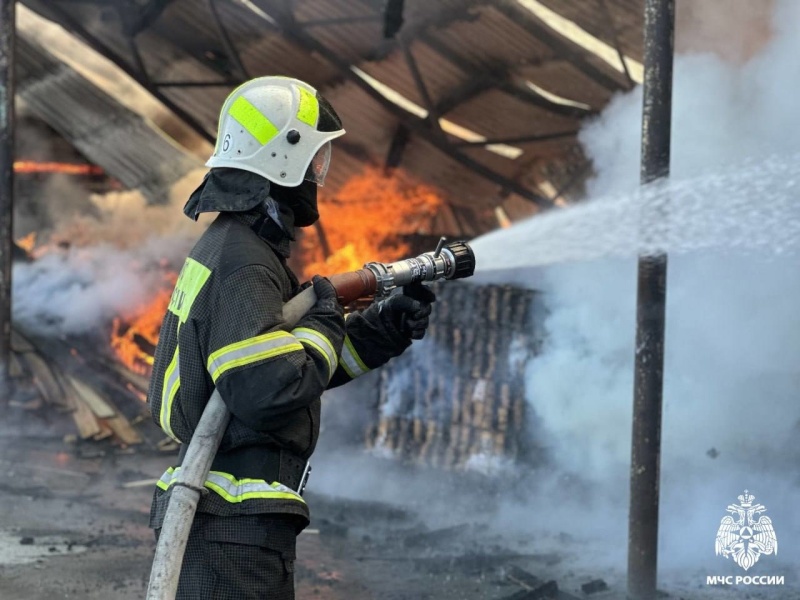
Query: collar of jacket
x=246 y=196
x=267 y=229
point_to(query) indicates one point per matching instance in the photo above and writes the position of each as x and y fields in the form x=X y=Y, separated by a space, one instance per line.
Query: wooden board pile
x=104 y=399
x=456 y=400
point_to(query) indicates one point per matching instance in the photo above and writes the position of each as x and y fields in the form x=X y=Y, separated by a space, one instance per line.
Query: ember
x=31 y=166
x=27 y=242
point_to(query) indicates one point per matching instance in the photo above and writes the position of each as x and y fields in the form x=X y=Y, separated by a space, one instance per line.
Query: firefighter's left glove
x=324 y=290
x=409 y=312
x=326 y=316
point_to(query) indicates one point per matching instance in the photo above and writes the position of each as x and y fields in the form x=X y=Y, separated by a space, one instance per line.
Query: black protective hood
x=227 y=190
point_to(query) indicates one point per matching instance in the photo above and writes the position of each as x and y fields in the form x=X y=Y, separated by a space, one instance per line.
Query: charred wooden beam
x=227 y=42
x=392 y=17
x=422 y=89
x=397 y=148
x=612 y=32
x=463 y=11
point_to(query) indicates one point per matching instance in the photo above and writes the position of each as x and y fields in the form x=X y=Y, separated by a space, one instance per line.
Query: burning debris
x=32 y=166
x=134 y=337
x=62 y=379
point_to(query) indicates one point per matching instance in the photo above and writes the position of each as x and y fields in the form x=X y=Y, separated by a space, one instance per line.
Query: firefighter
x=222 y=330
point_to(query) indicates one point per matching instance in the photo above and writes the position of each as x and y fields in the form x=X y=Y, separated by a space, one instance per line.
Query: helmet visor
x=318 y=168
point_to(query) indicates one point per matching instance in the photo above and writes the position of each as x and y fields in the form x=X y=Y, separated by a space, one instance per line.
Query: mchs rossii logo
x=745 y=535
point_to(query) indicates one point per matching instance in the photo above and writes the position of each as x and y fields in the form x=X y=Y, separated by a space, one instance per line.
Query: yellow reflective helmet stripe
x=308 y=109
x=351 y=361
x=319 y=342
x=235 y=490
x=172 y=381
x=253 y=120
x=251 y=350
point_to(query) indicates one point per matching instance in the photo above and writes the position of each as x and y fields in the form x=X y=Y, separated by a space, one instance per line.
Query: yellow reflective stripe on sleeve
x=250 y=351
x=172 y=381
x=191 y=280
x=235 y=490
x=319 y=342
x=351 y=361
x=253 y=120
x=308 y=110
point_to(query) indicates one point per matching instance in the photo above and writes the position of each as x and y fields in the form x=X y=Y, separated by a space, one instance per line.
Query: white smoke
x=722 y=113
x=104 y=262
x=732 y=367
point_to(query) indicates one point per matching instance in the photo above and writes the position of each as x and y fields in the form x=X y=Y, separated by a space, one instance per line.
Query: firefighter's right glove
x=408 y=312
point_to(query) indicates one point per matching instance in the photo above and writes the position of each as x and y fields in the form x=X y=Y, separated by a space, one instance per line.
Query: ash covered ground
x=69 y=529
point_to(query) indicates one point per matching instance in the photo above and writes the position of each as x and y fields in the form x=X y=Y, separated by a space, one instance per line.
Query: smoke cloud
x=730 y=220
x=102 y=261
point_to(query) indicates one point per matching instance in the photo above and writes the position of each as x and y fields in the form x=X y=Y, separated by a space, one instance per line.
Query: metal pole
x=659 y=30
x=7 y=35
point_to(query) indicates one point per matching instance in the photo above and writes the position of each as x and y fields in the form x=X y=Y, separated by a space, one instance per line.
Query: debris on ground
x=594 y=586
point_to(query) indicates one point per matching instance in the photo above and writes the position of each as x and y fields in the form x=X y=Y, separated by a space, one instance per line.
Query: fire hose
x=454 y=260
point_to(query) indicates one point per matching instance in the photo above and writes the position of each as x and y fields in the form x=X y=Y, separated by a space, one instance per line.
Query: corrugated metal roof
x=125 y=145
x=620 y=20
x=473 y=60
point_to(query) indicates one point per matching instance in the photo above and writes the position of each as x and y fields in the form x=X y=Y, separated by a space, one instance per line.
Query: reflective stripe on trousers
x=235 y=490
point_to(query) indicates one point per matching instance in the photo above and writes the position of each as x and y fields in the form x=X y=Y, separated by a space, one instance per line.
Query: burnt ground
x=70 y=528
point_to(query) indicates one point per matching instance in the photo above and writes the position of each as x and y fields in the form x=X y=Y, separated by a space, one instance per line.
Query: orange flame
x=367 y=219
x=27 y=242
x=31 y=166
x=134 y=338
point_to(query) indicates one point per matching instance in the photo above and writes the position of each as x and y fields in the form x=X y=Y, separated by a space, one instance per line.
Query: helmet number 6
x=226 y=143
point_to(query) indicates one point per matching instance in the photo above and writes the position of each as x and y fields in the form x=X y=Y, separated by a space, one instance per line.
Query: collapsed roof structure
x=481 y=98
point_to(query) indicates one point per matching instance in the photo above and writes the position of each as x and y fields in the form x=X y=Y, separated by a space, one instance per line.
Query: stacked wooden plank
x=104 y=400
x=456 y=400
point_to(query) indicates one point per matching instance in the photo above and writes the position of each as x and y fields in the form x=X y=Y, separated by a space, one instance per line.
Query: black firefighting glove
x=327 y=315
x=326 y=295
x=408 y=312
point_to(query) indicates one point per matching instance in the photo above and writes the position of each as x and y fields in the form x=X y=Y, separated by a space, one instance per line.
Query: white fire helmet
x=277 y=127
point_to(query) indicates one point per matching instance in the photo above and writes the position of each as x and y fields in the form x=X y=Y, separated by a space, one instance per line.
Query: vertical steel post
x=7 y=36
x=651 y=300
